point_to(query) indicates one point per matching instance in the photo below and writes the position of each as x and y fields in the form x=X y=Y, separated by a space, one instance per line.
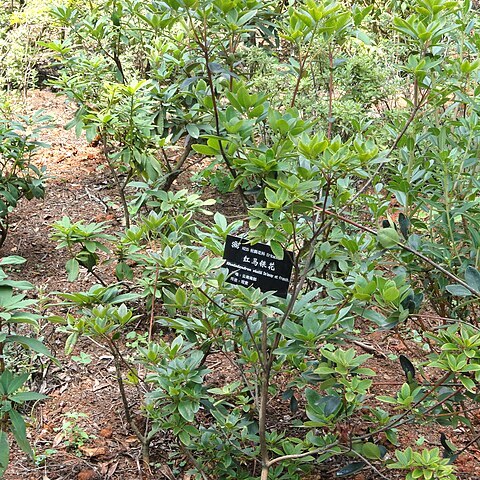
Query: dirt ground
x=79 y=188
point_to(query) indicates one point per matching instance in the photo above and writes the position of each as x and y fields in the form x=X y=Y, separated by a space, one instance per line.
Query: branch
x=435 y=265
x=173 y=174
x=375 y=469
x=390 y=151
x=295 y=456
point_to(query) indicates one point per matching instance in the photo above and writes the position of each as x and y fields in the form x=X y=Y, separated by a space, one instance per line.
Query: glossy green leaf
x=26 y=397
x=4 y=452
x=388 y=237
x=277 y=249
x=19 y=431
x=186 y=411
x=350 y=469
x=371 y=451
x=73 y=268
x=12 y=260
x=458 y=291
x=472 y=277
x=31 y=343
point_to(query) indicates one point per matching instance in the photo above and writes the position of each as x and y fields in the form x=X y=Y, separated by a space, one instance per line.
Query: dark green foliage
x=16 y=311
x=19 y=176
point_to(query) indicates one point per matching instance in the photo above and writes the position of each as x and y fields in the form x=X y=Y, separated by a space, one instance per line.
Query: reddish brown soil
x=80 y=189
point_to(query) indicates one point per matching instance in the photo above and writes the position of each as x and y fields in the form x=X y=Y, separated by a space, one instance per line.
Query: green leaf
x=186 y=411
x=184 y=437
x=458 y=290
x=16 y=382
x=277 y=249
x=12 y=260
x=123 y=271
x=313 y=397
x=390 y=294
x=472 y=276
x=6 y=294
x=332 y=404
x=246 y=17
x=4 y=452
x=73 y=268
x=193 y=130
x=468 y=383
x=205 y=150
x=32 y=343
x=373 y=316
x=392 y=436
x=371 y=451
x=70 y=343
x=19 y=431
x=388 y=237
x=362 y=36
x=26 y=397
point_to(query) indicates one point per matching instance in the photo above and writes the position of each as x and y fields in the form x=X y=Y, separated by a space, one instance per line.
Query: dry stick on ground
x=450 y=320
x=468 y=445
x=470 y=424
x=369 y=348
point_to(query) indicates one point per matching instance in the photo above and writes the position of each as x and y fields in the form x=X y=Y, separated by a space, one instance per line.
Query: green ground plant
x=82 y=242
x=74 y=435
x=19 y=176
x=16 y=311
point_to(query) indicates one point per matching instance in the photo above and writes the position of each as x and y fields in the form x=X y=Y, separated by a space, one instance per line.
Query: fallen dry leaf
x=112 y=469
x=93 y=451
x=106 y=432
x=108 y=469
x=87 y=475
x=58 y=439
x=167 y=472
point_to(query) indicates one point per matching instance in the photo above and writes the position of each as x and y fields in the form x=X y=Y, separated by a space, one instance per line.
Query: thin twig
x=295 y=456
x=174 y=174
x=411 y=250
x=468 y=445
x=390 y=151
x=152 y=307
x=375 y=469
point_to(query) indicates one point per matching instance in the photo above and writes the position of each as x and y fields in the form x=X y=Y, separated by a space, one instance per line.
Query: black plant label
x=256 y=266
